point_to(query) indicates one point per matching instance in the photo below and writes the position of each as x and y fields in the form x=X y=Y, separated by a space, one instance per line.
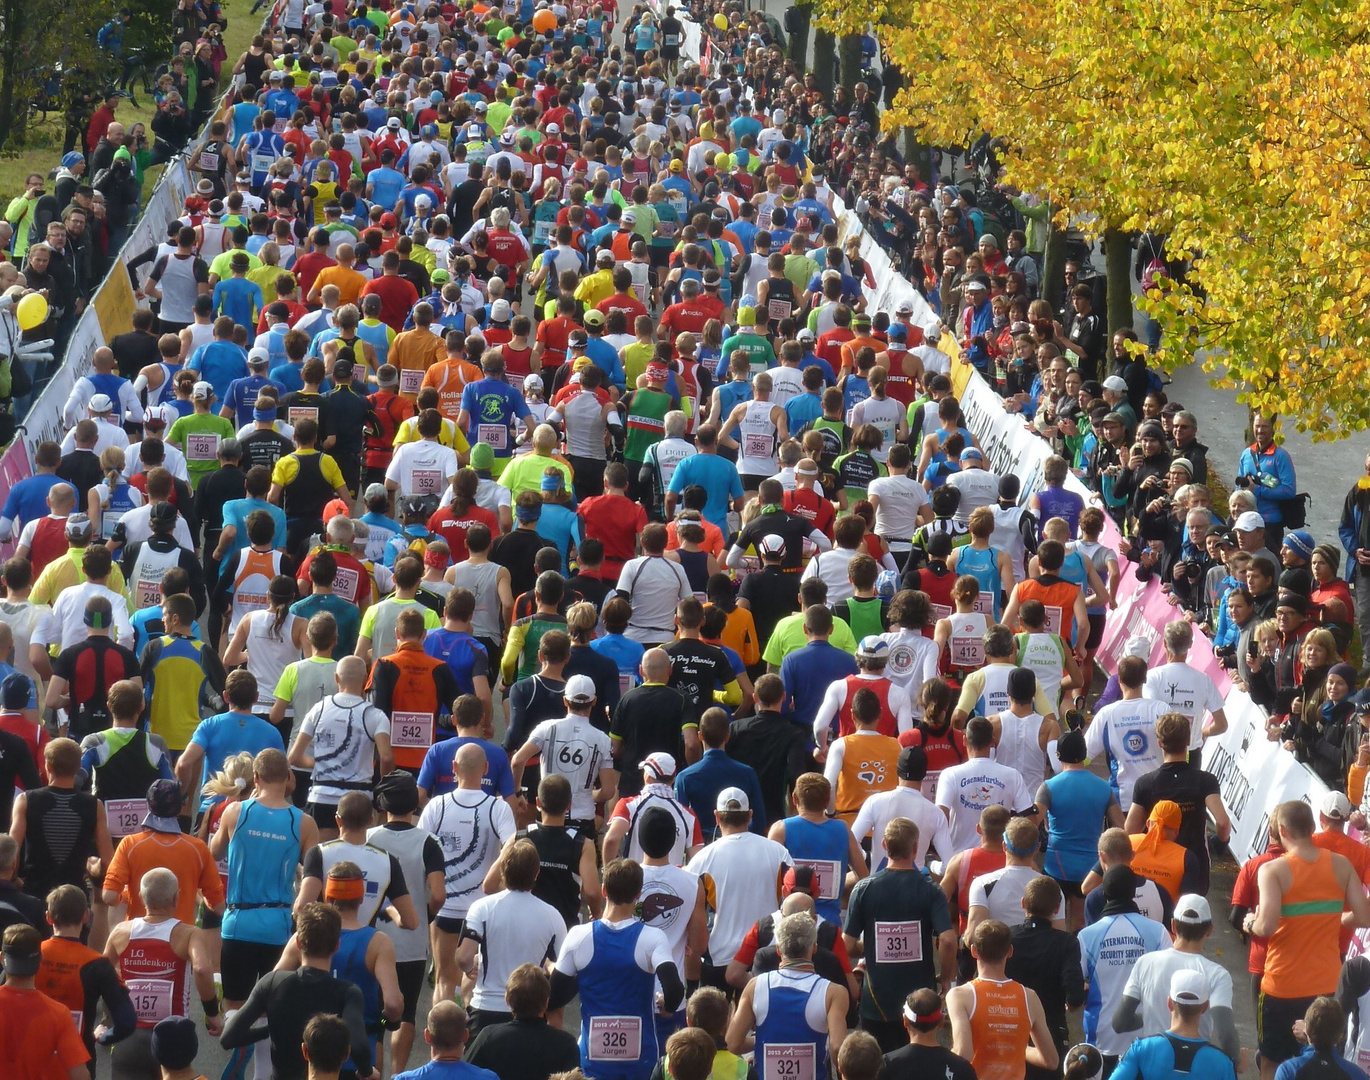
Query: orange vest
x=999 y=1030
x=1164 y=866
x=59 y=975
x=416 y=694
x=869 y=766
x=1303 y=958
x=1058 y=597
x=450 y=377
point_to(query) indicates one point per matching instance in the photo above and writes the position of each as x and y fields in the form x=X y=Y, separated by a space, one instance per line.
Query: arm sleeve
x=105 y=983
x=354 y=1012
x=238 y=1028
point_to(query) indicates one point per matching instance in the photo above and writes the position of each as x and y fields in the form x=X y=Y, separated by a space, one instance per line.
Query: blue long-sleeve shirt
x=1273 y=470
x=698 y=787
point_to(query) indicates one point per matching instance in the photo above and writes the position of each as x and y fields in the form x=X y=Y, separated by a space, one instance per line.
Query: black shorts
x=1096 y=631
x=409 y=974
x=448 y=924
x=1275 y=1026
x=242 y=963
x=1070 y=889
x=372 y=474
x=752 y=481
x=300 y=796
x=325 y=815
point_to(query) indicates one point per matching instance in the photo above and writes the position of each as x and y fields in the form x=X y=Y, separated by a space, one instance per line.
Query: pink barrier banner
x=14 y=466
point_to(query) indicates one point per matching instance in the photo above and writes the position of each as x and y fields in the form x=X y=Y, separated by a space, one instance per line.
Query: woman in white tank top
x=886 y=414
x=269 y=641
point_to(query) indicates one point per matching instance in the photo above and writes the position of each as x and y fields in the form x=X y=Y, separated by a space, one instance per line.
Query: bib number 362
x=615 y=1038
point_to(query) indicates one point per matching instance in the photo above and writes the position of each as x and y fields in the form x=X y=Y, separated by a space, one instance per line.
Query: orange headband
x=344 y=888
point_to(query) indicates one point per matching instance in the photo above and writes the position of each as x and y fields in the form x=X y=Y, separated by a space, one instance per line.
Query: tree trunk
x=799 y=40
x=919 y=154
x=1054 y=269
x=824 y=61
x=1118 y=267
x=851 y=61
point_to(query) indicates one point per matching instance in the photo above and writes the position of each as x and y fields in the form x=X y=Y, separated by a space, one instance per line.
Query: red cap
x=388 y=221
x=581 y=165
x=799 y=879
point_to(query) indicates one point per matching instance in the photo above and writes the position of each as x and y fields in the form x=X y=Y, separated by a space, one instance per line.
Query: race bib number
x=411 y=730
x=202 y=447
x=347 y=583
x=625 y=683
x=109 y=521
x=125 y=816
x=495 y=436
x=209 y=162
x=426 y=482
x=640 y=291
x=668 y=228
x=1054 y=617
x=296 y=413
x=261 y=163
x=151 y=999
x=827 y=876
x=410 y=381
x=789 y=1061
x=757 y=446
x=279 y=127
x=984 y=604
x=898 y=942
x=941 y=611
x=967 y=652
x=615 y=1038
x=672 y=40
x=778 y=309
x=147 y=594
x=542 y=230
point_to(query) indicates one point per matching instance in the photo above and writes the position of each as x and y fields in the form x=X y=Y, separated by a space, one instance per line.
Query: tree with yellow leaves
x=1231 y=129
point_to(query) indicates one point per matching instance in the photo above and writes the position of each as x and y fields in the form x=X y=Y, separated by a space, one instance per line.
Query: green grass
x=42 y=149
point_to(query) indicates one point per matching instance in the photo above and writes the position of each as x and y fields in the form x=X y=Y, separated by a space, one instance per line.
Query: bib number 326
x=615 y=1038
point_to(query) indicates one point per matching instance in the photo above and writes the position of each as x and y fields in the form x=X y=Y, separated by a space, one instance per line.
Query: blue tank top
x=458 y=651
x=120 y=502
x=262 y=857
x=786 y=1044
x=1073 y=570
x=617 y=1007
x=731 y=394
x=377 y=338
x=824 y=847
x=109 y=385
x=854 y=391
x=164 y=392
x=983 y=566
x=349 y=963
x=1079 y=800
x=1058 y=502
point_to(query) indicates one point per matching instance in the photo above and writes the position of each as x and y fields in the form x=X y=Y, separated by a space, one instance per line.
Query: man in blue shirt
x=242 y=393
x=808 y=672
x=436 y=774
x=233 y=538
x=261 y=148
x=1180 y=1052
x=490 y=408
x=28 y=500
x=698 y=786
x=385 y=184
x=716 y=475
x=220 y=361
x=227 y=734
x=1268 y=471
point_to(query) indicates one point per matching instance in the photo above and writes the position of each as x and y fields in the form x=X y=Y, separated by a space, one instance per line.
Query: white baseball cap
x=661 y=764
x=1336 y=806
x=1250 y=521
x=1138 y=646
x=580 y=689
x=731 y=799
x=100 y=403
x=1116 y=384
x=202 y=391
x=1189 y=988
x=1193 y=909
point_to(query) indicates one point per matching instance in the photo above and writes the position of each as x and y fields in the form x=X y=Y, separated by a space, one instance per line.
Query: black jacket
x=777 y=750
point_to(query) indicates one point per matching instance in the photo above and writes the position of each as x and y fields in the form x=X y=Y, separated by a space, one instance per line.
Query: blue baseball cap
x=897 y=332
x=970 y=453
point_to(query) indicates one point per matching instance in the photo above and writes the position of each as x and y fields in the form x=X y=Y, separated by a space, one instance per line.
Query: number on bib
x=209 y=163
x=202 y=447
x=496 y=436
x=411 y=730
x=898 y=942
x=941 y=611
x=615 y=1038
x=967 y=652
x=426 y=481
x=1054 y=617
x=984 y=604
x=827 y=877
x=296 y=413
x=151 y=999
x=410 y=381
x=125 y=816
x=757 y=446
x=778 y=309
x=789 y=1061
x=147 y=594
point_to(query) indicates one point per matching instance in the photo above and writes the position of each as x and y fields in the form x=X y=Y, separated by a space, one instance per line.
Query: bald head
x=796 y=903
x=656 y=666
x=470 y=766
x=351 y=674
x=103 y=359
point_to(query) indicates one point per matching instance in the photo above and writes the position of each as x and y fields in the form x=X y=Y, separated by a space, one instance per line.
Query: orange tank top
x=1058 y=597
x=1164 y=866
x=999 y=1030
x=869 y=765
x=1303 y=958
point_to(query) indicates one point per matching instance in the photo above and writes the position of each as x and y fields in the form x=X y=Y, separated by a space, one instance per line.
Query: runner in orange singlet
x=997 y=1024
x=1302 y=896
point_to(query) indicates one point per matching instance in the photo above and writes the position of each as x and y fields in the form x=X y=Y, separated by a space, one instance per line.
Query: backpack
x=1154 y=269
